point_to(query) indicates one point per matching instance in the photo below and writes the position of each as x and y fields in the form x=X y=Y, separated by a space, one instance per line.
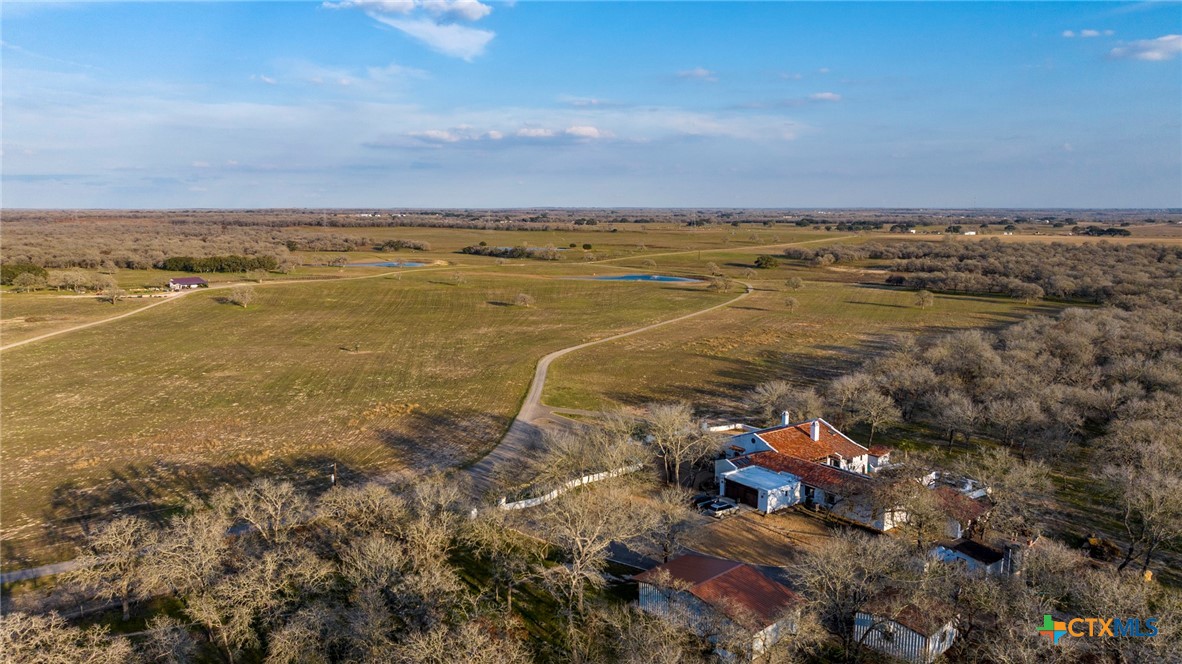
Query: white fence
x=586 y=479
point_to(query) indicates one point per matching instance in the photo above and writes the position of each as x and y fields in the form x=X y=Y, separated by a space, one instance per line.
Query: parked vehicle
x=701 y=500
x=720 y=509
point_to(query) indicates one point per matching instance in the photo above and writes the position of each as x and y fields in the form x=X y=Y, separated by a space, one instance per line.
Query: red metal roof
x=827 y=478
x=796 y=440
x=921 y=614
x=739 y=591
x=959 y=506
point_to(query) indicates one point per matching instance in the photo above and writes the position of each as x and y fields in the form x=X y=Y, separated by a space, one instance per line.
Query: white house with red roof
x=809 y=463
x=717 y=597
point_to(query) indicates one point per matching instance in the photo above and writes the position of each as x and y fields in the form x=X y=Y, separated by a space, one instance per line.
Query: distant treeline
x=1124 y=275
x=548 y=253
x=229 y=263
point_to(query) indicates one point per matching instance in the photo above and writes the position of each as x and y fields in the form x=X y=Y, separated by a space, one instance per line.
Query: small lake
x=388 y=264
x=644 y=277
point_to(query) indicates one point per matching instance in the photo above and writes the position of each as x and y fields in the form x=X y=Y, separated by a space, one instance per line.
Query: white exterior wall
x=750 y=444
x=782 y=498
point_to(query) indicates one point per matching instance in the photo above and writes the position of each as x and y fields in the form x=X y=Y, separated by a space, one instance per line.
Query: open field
x=376 y=374
x=378 y=371
x=725 y=353
x=25 y=316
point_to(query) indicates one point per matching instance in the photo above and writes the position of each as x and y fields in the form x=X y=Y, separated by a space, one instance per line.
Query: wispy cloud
x=698 y=74
x=1166 y=47
x=435 y=23
x=1087 y=33
x=825 y=96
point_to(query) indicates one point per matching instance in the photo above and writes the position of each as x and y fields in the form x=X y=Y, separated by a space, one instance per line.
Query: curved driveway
x=524 y=430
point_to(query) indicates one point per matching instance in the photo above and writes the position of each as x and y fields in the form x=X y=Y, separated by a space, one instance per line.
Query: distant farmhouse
x=720 y=596
x=184 y=283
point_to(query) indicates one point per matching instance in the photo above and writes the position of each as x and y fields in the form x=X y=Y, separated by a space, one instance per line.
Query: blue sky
x=459 y=103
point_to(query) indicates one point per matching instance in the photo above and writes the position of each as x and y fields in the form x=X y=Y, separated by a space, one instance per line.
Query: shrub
x=766 y=262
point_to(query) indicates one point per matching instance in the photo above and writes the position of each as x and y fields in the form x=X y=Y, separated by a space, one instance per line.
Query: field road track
x=173 y=298
x=515 y=444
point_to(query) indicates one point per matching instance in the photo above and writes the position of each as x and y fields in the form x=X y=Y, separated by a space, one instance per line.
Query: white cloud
x=1087 y=34
x=1166 y=47
x=264 y=79
x=465 y=10
x=432 y=22
x=699 y=73
x=793 y=76
x=534 y=132
x=384 y=6
x=825 y=96
x=823 y=70
x=447 y=38
x=585 y=131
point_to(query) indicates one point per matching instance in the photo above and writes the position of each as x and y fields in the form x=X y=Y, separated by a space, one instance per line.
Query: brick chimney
x=816 y=430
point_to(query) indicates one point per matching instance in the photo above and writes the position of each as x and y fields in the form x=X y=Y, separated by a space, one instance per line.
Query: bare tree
x=524 y=300
x=242 y=296
x=1146 y=477
x=791 y=303
x=876 y=409
x=678 y=437
x=713 y=269
x=583 y=524
x=473 y=642
x=168 y=641
x=273 y=509
x=1015 y=487
x=113 y=294
x=192 y=553
x=841 y=576
x=772 y=398
x=794 y=283
x=924 y=299
x=113 y=564
x=51 y=640
x=673 y=521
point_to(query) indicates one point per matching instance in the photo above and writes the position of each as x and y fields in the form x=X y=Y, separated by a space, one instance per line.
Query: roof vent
x=816 y=430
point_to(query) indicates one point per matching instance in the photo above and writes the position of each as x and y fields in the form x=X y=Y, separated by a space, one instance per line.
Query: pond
x=388 y=264
x=662 y=278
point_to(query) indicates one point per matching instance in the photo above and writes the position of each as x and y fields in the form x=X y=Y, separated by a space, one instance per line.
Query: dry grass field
x=380 y=370
x=375 y=374
x=716 y=360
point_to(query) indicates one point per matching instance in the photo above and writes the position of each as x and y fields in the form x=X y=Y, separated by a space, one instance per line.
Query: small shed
x=717 y=593
x=916 y=630
x=185 y=283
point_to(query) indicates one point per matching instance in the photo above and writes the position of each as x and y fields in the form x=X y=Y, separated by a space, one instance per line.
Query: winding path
x=525 y=428
x=177 y=296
